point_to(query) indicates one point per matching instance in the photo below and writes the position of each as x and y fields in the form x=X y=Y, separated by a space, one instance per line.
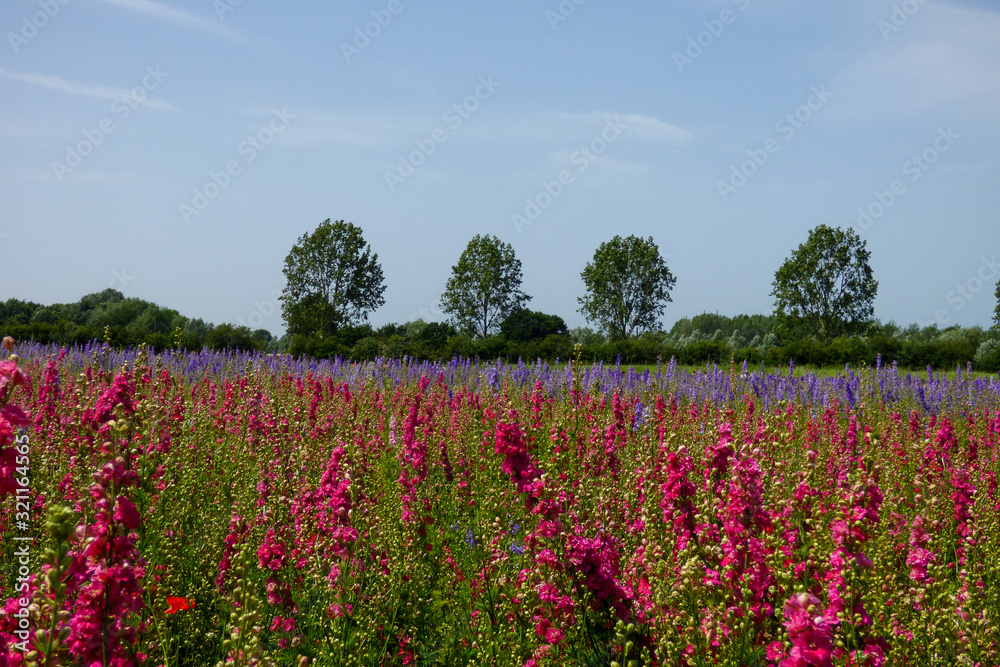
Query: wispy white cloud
x=565 y=128
x=314 y=127
x=942 y=60
x=169 y=14
x=59 y=84
x=130 y=179
x=548 y=130
x=648 y=127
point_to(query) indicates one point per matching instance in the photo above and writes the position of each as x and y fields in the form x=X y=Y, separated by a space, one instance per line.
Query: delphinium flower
x=678 y=497
x=848 y=563
x=919 y=557
x=596 y=561
x=719 y=455
x=537 y=401
x=274 y=554
x=516 y=547
x=946 y=440
x=16 y=639
x=285 y=626
x=49 y=393
x=745 y=557
x=809 y=632
x=238 y=532
x=554 y=615
x=517 y=461
x=322 y=514
x=121 y=392
x=962 y=499
x=615 y=435
x=243 y=644
x=413 y=461
x=105 y=574
x=796 y=519
x=11 y=417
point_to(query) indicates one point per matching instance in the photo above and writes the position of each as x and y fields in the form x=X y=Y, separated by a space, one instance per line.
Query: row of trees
x=824 y=307
x=523 y=334
x=825 y=289
x=824 y=293
x=124 y=321
x=912 y=347
x=334 y=279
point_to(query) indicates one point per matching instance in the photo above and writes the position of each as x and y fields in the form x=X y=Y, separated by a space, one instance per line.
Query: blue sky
x=175 y=150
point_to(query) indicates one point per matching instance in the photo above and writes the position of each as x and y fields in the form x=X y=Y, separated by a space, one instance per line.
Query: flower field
x=210 y=508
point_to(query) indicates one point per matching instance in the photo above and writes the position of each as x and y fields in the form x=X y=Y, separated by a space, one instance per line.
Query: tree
x=334 y=280
x=15 y=311
x=826 y=287
x=628 y=287
x=436 y=334
x=523 y=325
x=996 y=313
x=485 y=286
x=228 y=337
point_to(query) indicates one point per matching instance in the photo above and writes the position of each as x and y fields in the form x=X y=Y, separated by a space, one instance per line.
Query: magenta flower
x=809 y=632
x=126 y=513
x=11 y=376
x=322 y=514
x=919 y=558
x=517 y=462
x=596 y=560
x=678 y=498
x=271 y=555
x=120 y=392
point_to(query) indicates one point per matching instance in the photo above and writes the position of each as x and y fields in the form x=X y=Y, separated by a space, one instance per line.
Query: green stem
x=56 y=604
x=385 y=644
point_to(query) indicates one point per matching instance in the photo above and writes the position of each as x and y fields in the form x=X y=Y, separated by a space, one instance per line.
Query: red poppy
x=179 y=604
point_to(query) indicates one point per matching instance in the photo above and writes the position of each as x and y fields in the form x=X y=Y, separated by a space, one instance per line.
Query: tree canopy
x=996 y=312
x=485 y=286
x=123 y=321
x=826 y=288
x=628 y=287
x=524 y=325
x=333 y=280
x=708 y=323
